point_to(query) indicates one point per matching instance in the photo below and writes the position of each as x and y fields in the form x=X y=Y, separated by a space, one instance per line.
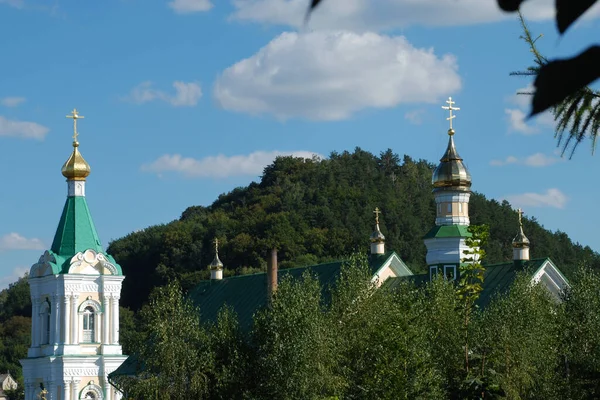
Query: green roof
x=246 y=294
x=75 y=233
x=446 y=231
x=497 y=278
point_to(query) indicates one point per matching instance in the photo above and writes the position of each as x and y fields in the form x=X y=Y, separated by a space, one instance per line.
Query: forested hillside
x=315 y=211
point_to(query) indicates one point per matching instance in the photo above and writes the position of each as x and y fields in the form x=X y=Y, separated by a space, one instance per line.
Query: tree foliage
x=356 y=340
x=578 y=114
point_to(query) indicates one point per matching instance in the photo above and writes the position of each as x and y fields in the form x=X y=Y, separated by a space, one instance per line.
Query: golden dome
x=520 y=240
x=216 y=262
x=76 y=168
x=451 y=172
x=377 y=236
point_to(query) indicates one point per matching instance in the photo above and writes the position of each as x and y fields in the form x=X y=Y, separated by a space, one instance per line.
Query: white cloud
x=14 y=241
x=534 y=160
x=330 y=75
x=552 y=198
x=12 y=101
x=13 y=3
x=220 y=166
x=16 y=273
x=378 y=15
x=190 y=6
x=22 y=129
x=415 y=117
x=517 y=123
x=186 y=94
x=517 y=117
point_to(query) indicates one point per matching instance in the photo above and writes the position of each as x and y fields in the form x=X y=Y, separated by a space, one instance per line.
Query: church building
x=75 y=289
x=446 y=243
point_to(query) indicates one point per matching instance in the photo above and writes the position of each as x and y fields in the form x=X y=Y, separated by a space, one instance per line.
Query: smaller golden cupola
x=377 y=238
x=520 y=240
x=216 y=266
x=520 y=243
x=75 y=168
x=451 y=172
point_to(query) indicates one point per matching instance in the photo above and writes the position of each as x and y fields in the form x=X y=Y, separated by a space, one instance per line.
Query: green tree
x=295 y=354
x=581 y=335
x=175 y=361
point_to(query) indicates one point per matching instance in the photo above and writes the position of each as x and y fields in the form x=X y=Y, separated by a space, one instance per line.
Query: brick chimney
x=272 y=273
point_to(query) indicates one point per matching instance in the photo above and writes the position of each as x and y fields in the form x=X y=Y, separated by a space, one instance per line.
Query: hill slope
x=315 y=211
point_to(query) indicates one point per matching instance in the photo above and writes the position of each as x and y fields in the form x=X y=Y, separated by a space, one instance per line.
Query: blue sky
x=187 y=99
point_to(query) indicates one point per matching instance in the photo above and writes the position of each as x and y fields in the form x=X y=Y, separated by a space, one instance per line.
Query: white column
x=74 y=319
x=57 y=320
x=35 y=321
x=74 y=389
x=29 y=388
x=108 y=390
x=67 y=318
x=105 y=319
x=52 y=391
x=115 y=319
x=66 y=390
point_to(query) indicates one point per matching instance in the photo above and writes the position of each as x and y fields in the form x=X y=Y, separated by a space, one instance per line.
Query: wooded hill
x=315 y=211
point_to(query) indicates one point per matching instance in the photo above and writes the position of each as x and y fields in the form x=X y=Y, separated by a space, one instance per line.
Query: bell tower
x=452 y=190
x=75 y=289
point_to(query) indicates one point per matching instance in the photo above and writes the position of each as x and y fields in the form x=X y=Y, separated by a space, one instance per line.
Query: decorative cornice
x=93 y=259
x=41 y=267
x=77 y=372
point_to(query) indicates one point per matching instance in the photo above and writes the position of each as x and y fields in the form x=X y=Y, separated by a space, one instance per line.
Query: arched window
x=45 y=322
x=88 y=326
x=90 y=395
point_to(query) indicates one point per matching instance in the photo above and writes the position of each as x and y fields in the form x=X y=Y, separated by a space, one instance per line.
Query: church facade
x=75 y=290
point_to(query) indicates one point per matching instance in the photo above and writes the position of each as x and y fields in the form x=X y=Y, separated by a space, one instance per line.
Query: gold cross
x=216 y=242
x=75 y=117
x=377 y=212
x=450 y=108
x=520 y=212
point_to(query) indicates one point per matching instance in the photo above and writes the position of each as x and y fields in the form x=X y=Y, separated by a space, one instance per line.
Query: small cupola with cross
x=216 y=266
x=377 y=238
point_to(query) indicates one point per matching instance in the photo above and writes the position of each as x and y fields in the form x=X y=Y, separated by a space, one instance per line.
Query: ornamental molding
x=91 y=387
x=78 y=372
x=43 y=266
x=86 y=288
x=91 y=303
x=93 y=259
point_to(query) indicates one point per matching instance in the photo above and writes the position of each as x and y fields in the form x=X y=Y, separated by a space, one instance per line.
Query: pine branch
x=578 y=116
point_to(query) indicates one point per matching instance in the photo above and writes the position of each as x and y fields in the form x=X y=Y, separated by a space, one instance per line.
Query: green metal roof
x=446 y=231
x=497 y=278
x=75 y=233
x=246 y=294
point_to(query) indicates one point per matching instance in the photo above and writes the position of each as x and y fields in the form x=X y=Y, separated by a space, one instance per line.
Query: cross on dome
x=75 y=116
x=377 y=212
x=216 y=243
x=520 y=212
x=450 y=108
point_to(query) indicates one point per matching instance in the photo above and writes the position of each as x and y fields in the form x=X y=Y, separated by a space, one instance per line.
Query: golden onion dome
x=216 y=263
x=76 y=168
x=451 y=172
x=520 y=240
x=377 y=236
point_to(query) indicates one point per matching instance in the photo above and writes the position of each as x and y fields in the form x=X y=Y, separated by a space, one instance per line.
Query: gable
x=393 y=267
